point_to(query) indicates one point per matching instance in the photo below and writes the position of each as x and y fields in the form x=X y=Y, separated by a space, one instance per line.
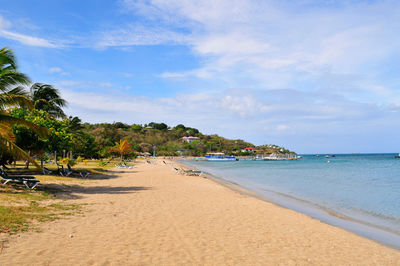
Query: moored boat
x=219 y=156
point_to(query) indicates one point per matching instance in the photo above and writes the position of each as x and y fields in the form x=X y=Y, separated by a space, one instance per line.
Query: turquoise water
x=364 y=189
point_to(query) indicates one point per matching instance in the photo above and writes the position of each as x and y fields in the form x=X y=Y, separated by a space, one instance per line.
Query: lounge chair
x=177 y=170
x=47 y=171
x=83 y=174
x=29 y=181
x=123 y=165
x=187 y=172
x=61 y=170
x=192 y=172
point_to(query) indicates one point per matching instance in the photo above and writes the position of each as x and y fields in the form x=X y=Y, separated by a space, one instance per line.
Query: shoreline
x=149 y=215
x=380 y=235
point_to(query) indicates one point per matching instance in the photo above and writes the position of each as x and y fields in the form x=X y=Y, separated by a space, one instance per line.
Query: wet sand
x=151 y=215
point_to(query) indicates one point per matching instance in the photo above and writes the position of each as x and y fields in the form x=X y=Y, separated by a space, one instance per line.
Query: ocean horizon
x=358 y=192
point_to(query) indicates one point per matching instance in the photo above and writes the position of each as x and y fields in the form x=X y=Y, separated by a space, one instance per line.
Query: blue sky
x=313 y=76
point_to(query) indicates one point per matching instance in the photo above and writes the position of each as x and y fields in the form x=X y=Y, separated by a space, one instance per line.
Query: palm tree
x=47 y=98
x=9 y=76
x=13 y=97
x=122 y=147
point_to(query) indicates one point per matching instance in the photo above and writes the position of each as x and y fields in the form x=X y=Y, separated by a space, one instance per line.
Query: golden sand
x=151 y=216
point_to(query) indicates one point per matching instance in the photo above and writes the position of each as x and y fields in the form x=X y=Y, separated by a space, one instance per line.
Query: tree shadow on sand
x=104 y=174
x=71 y=191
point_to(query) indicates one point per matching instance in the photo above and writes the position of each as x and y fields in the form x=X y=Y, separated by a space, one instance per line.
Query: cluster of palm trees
x=16 y=91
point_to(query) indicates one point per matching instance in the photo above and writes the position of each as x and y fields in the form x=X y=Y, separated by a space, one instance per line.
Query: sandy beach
x=150 y=215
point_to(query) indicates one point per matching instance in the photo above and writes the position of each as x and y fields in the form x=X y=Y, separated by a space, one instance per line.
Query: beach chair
x=83 y=174
x=29 y=181
x=125 y=165
x=177 y=170
x=46 y=171
x=60 y=170
x=192 y=172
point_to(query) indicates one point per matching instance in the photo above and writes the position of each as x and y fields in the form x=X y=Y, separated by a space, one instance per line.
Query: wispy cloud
x=28 y=40
x=138 y=35
x=5 y=32
x=269 y=44
x=58 y=70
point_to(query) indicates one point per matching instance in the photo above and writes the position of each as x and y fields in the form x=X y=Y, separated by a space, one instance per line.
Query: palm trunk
x=27 y=162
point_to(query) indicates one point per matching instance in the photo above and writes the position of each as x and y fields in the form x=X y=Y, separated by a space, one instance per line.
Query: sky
x=312 y=76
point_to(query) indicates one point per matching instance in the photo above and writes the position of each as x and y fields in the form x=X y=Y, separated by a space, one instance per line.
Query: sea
x=358 y=192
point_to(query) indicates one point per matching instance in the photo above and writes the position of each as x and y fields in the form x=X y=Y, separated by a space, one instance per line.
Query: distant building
x=248 y=150
x=190 y=139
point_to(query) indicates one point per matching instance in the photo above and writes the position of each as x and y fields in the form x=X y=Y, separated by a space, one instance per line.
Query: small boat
x=219 y=157
x=327 y=156
x=333 y=155
x=397 y=156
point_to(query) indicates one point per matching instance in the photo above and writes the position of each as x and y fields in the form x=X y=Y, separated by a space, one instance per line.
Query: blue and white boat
x=219 y=156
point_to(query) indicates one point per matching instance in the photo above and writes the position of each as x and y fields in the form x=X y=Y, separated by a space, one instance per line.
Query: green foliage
x=60 y=137
x=164 y=140
x=84 y=145
x=159 y=126
x=104 y=162
x=69 y=161
x=79 y=159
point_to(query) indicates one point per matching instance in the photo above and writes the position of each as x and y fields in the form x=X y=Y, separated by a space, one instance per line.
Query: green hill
x=168 y=141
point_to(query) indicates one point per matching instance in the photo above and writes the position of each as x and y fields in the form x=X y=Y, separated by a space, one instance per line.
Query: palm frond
x=10 y=99
x=7 y=58
x=9 y=120
x=16 y=151
x=12 y=78
x=48 y=98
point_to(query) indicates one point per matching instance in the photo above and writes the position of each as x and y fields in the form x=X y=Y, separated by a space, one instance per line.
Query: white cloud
x=173 y=75
x=106 y=84
x=5 y=32
x=4 y=23
x=58 y=70
x=55 y=70
x=270 y=44
x=138 y=35
x=126 y=74
x=28 y=40
x=282 y=128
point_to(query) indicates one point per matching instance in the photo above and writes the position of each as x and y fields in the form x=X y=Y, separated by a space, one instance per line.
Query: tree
x=9 y=76
x=47 y=98
x=11 y=97
x=159 y=126
x=59 y=136
x=122 y=147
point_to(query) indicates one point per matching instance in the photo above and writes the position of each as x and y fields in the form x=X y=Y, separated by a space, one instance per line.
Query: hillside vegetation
x=168 y=141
